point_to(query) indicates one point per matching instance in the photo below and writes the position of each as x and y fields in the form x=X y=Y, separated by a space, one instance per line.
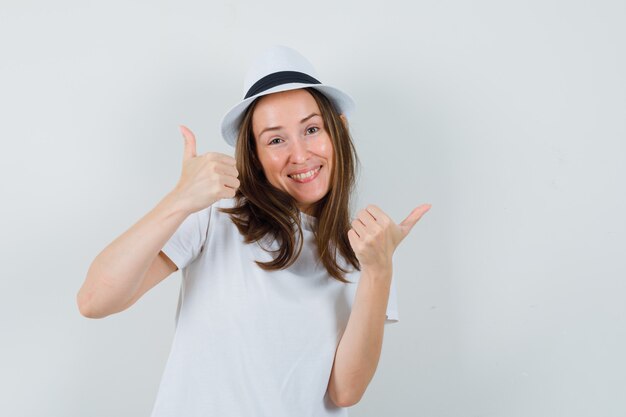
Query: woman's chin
x=305 y=204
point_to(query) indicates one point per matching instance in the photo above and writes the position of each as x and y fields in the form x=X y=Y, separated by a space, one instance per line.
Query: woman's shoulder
x=213 y=211
x=225 y=203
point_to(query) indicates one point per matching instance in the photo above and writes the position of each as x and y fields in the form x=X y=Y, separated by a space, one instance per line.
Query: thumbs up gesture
x=207 y=178
x=374 y=236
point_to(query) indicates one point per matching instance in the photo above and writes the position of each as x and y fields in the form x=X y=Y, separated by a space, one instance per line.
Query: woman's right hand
x=207 y=178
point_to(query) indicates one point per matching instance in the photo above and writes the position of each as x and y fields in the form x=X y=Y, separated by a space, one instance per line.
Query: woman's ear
x=344 y=120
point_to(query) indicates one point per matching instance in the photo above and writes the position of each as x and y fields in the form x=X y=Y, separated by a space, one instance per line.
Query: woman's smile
x=306 y=176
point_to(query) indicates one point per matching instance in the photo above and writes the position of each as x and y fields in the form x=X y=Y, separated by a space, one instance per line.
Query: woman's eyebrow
x=280 y=127
x=308 y=117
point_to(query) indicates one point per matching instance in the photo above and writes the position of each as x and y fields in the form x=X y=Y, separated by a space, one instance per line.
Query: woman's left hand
x=374 y=236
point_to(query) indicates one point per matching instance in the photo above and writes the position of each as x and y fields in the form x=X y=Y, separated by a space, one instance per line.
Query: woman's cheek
x=274 y=157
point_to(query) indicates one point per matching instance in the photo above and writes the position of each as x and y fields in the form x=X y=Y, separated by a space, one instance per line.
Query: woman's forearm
x=116 y=273
x=359 y=350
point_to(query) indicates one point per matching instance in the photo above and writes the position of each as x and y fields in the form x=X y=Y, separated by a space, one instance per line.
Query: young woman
x=283 y=299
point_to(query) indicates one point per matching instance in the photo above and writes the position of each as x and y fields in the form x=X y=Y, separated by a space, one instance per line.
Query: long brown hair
x=262 y=210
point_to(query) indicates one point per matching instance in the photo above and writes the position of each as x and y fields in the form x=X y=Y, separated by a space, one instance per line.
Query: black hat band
x=279 y=78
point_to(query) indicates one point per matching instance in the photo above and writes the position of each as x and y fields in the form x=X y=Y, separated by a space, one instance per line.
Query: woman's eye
x=275 y=140
x=317 y=128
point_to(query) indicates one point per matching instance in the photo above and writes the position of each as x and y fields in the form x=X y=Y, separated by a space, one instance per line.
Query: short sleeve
x=392 y=304
x=188 y=240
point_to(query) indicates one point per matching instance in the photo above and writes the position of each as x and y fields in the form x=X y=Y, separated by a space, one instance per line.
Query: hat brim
x=342 y=101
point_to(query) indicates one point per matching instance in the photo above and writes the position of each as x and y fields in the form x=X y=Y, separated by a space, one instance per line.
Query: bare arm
x=360 y=347
x=133 y=263
x=116 y=277
x=374 y=237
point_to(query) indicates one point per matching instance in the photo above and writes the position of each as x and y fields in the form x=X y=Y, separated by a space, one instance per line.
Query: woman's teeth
x=305 y=175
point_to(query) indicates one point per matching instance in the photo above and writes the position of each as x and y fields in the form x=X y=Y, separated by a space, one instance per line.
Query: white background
x=508 y=117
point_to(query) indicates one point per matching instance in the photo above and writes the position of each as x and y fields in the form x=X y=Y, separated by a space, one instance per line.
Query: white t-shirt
x=249 y=342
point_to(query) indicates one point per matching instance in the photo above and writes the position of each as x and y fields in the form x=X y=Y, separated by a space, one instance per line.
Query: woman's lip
x=309 y=179
x=302 y=171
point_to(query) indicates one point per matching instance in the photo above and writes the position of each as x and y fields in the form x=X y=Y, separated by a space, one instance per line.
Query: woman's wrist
x=381 y=271
x=176 y=203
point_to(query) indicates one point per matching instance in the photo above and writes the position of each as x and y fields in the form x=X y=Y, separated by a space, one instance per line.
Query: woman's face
x=293 y=145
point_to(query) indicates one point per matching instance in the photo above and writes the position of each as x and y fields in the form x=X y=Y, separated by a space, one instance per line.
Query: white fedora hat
x=279 y=68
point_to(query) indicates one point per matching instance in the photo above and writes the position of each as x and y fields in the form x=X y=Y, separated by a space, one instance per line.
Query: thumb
x=417 y=213
x=190 y=143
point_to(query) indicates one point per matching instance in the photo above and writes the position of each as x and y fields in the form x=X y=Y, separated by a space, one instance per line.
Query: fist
x=207 y=178
x=374 y=236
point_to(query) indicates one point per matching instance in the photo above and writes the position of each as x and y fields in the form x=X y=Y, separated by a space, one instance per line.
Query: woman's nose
x=299 y=150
